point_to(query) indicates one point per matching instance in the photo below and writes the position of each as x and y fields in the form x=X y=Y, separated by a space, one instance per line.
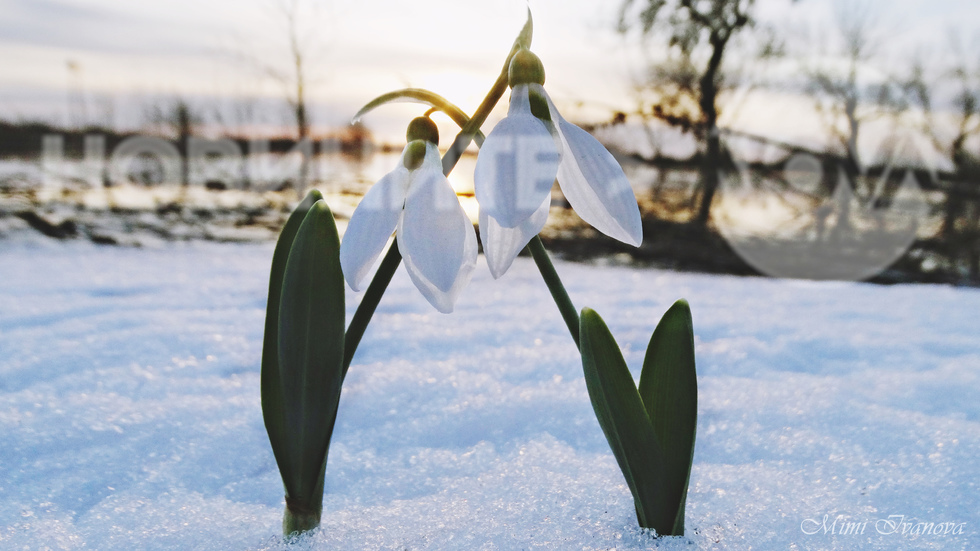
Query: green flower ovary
x=525 y=68
x=422 y=128
x=420 y=131
x=414 y=154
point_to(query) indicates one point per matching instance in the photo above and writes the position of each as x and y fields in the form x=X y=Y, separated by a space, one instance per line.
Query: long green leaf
x=311 y=351
x=624 y=422
x=272 y=399
x=669 y=390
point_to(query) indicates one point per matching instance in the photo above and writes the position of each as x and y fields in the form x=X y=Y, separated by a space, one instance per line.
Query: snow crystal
x=130 y=416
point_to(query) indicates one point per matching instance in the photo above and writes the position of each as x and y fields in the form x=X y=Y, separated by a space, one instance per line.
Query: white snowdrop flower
x=518 y=164
x=434 y=236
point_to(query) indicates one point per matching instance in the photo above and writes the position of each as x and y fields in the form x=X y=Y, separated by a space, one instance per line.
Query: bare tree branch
x=684 y=91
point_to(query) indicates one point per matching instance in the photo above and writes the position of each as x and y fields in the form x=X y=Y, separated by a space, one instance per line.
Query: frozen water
x=130 y=417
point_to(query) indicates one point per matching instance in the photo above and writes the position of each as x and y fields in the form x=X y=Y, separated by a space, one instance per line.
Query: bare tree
x=684 y=91
x=77 y=106
x=850 y=90
x=177 y=119
x=301 y=26
x=290 y=10
x=948 y=93
x=844 y=95
x=952 y=127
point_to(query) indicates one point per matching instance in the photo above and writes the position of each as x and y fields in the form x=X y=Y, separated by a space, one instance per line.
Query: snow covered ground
x=130 y=418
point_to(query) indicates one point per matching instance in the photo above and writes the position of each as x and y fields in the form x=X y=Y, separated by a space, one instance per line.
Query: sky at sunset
x=121 y=56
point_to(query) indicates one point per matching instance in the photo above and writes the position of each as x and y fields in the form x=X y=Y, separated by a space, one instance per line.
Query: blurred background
x=815 y=138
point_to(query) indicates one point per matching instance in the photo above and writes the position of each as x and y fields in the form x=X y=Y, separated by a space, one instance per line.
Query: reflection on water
x=243 y=201
x=345 y=174
x=342 y=178
x=337 y=173
x=260 y=189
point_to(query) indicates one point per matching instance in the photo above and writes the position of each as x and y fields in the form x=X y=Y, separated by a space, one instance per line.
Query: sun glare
x=464 y=89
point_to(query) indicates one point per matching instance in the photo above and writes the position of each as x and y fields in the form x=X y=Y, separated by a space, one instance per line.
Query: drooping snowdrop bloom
x=518 y=164
x=433 y=233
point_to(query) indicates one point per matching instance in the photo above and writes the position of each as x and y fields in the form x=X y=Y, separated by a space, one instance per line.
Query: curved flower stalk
x=306 y=352
x=518 y=164
x=433 y=234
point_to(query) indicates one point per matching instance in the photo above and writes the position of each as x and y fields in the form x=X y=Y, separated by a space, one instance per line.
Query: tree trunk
x=710 y=165
x=302 y=117
x=950 y=214
x=711 y=162
x=951 y=207
x=303 y=130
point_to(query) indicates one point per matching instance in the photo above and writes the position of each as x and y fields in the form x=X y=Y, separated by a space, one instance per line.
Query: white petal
x=594 y=183
x=372 y=223
x=502 y=245
x=517 y=164
x=436 y=238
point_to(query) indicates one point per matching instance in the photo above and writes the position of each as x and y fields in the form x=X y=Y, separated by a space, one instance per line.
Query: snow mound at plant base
x=831 y=415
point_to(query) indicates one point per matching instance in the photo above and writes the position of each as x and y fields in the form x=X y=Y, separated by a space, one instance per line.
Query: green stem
x=425 y=97
x=365 y=310
x=471 y=128
x=362 y=316
x=297 y=519
x=558 y=292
